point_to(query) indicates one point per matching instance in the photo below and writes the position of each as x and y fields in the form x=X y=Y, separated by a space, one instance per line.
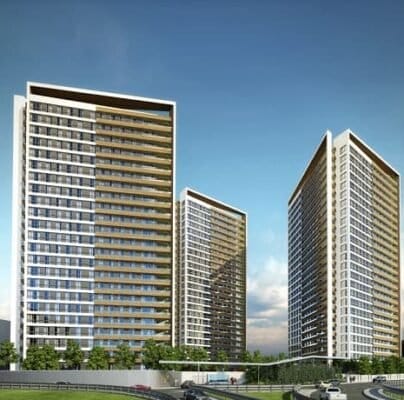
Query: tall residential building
x=93 y=187
x=211 y=275
x=344 y=253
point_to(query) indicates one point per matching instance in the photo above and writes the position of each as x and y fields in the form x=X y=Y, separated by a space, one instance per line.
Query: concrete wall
x=153 y=378
x=369 y=378
x=118 y=378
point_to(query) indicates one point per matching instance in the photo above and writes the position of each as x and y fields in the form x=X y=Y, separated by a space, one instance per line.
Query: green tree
x=151 y=354
x=8 y=353
x=401 y=365
x=98 y=358
x=199 y=354
x=389 y=365
x=350 y=366
x=364 y=366
x=252 y=372
x=222 y=356
x=124 y=357
x=73 y=355
x=41 y=358
x=166 y=353
x=180 y=353
x=377 y=366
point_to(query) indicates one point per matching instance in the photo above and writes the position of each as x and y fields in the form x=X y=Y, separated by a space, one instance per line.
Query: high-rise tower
x=211 y=275
x=93 y=210
x=344 y=253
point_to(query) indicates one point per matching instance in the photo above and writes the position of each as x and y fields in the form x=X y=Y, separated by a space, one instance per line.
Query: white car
x=333 y=393
x=323 y=384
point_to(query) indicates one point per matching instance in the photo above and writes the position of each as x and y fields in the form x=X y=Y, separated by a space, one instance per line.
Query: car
x=194 y=394
x=335 y=382
x=379 y=379
x=62 y=383
x=322 y=384
x=141 y=388
x=332 y=393
x=187 y=384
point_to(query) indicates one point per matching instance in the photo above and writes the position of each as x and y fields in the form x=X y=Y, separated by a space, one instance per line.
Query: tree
x=41 y=358
x=364 y=366
x=151 y=354
x=198 y=354
x=401 y=365
x=124 y=357
x=252 y=372
x=180 y=353
x=221 y=356
x=377 y=366
x=98 y=358
x=389 y=365
x=8 y=353
x=73 y=356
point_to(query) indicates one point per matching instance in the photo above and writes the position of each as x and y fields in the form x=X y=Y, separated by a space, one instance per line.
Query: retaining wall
x=153 y=378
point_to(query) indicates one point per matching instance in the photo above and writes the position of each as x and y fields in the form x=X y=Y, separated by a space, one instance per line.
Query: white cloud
x=269 y=340
x=267 y=300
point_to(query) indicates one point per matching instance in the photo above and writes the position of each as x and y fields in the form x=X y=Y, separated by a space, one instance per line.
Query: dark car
x=141 y=388
x=193 y=394
x=379 y=379
x=187 y=384
x=62 y=383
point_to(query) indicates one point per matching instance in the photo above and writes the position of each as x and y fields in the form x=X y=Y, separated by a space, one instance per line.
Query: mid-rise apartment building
x=93 y=207
x=344 y=253
x=211 y=275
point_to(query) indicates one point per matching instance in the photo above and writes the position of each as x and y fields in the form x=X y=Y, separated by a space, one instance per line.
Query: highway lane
x=175 y=392
x=353 y=391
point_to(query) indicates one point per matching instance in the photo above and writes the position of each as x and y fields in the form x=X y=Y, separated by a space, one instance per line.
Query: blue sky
x=256 y=83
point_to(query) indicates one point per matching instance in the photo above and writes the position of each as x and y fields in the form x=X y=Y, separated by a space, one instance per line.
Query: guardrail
x=250 y=388
x=233 y=392
x=222 y=393
x=147 y=395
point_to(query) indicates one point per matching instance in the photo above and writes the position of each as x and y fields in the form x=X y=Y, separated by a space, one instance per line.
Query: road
x=177 y=392
x=353 y=391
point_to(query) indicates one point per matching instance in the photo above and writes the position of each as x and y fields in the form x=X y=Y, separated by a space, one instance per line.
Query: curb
x=369 y=395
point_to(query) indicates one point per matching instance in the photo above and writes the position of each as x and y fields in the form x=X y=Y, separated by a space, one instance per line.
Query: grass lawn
x=269 y=395
x=59 y=395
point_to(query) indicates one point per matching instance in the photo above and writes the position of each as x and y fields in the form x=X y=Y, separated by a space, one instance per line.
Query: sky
x=257 y=83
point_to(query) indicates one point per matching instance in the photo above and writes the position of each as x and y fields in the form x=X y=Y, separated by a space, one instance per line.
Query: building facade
x=4 y=330
x=211 y=275
x=93 y=212
x=344 y=253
